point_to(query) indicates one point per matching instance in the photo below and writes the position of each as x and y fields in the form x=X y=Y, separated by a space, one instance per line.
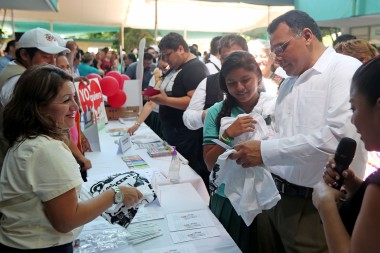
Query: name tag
x=124 y=144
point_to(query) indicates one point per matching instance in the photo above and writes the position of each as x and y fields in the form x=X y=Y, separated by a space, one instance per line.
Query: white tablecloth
x=109 y=162
x=189 y=195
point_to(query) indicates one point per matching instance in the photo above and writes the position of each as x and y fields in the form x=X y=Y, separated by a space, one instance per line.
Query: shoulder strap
x=215 y=66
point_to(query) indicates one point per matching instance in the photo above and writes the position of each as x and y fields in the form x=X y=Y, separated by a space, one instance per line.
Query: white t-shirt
x=47 y=168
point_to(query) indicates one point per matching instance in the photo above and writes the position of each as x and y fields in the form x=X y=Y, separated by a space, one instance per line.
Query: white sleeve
x=55 y=170
x=7 y=90
x=192 y=117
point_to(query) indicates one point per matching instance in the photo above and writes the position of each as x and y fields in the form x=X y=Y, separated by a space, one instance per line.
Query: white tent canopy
x=184 y=15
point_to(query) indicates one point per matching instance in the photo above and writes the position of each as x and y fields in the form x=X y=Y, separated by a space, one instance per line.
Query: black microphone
x=343 y=157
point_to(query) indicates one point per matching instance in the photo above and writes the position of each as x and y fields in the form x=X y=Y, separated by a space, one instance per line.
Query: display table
x=109 y=162
x=189 y=195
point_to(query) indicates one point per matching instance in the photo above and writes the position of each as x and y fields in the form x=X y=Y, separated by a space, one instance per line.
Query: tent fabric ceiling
x=260 y=2
x=36 y=5
x=183 y=15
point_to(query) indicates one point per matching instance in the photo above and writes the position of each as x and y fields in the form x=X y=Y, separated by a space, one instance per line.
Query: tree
x=132 y=38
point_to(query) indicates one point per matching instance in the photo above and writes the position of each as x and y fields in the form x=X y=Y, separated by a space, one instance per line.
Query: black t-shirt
x=350 y=209
x=187 y=78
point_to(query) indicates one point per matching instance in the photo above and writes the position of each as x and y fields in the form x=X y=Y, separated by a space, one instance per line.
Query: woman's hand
x=85 y=163
x=85 y=143
x=132 y=196
x=350 y=181
x=133 y=129
x=241 y=125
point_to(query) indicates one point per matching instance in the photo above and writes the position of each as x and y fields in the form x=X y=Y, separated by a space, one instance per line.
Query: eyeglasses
x=277 y=51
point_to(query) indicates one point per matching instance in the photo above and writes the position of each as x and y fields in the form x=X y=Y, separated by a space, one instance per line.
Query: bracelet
x=227 y=140
x=137 y=123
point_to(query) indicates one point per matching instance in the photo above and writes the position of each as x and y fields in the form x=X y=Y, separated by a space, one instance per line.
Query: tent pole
x=155 y=22
x=268 y=20
x=122 y=35
x=13 y=25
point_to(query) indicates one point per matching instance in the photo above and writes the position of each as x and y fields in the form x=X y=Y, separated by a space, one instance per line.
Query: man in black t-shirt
x=175 y=98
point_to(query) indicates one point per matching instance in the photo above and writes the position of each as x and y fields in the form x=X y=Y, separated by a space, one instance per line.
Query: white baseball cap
x=61 y=41
x=43 y=40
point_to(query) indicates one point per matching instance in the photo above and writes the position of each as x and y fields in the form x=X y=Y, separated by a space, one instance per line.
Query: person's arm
x=73 y=51
x=147 y=109
x=241 y=125
x=65 y=212
x=180 y=103
x=365 y=237
x=211 y=152
x=325 y=200
x=194 y=115
x=84 y=163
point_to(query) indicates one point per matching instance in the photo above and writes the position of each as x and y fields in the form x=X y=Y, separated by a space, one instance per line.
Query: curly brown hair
x=37 y=87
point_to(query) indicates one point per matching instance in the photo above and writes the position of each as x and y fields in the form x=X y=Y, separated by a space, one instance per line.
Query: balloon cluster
x=112 y=87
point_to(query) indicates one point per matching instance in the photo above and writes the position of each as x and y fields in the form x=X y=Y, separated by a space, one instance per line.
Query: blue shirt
x=148 y=73
x=85 y=69
x=4 y=61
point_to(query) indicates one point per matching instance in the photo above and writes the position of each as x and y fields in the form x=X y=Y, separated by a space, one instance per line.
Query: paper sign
x=124 y=144
x=194 y=234
x=92 y=104
x=92 y=134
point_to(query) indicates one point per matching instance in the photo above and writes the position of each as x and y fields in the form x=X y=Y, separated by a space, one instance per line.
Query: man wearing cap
x=36 y=46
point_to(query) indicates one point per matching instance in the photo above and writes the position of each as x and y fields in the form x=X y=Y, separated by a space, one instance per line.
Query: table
x=109 y=162
x=190 y=194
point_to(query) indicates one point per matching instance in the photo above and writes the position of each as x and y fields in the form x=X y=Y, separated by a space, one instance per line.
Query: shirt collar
x=322 y=62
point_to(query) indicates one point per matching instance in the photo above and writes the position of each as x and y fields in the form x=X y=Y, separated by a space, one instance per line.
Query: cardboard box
x=122 y=112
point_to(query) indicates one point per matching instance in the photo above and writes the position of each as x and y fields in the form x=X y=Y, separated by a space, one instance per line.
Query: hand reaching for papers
x=133 y=129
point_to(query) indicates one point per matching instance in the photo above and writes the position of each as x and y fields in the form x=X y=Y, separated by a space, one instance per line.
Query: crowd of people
x=304 y=95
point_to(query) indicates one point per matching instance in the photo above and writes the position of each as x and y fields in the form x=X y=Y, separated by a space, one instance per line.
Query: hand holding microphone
x=343 y=157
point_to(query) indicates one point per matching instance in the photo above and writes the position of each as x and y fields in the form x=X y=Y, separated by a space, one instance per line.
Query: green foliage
x=329 y=34
x=132 y=38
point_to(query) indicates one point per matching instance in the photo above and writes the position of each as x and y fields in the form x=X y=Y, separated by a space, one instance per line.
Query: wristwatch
x=118 y=197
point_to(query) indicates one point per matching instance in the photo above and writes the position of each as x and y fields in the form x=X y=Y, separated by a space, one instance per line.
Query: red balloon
x=93 y=75
x=125 y=78
x=109 y=86
x=117 y=76
x=118 y=99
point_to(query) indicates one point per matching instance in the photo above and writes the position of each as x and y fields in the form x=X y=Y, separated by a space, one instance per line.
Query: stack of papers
x=141 y=232
x=191 y=226
x=187 y=248
x=135 y=162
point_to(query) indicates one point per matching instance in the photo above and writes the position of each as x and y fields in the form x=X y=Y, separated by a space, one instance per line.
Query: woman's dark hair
x=11 y=43
x=37 y=87
x=366 y=80
x=237 y=59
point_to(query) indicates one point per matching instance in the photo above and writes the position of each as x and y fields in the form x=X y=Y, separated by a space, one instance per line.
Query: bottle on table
x=174 y=168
